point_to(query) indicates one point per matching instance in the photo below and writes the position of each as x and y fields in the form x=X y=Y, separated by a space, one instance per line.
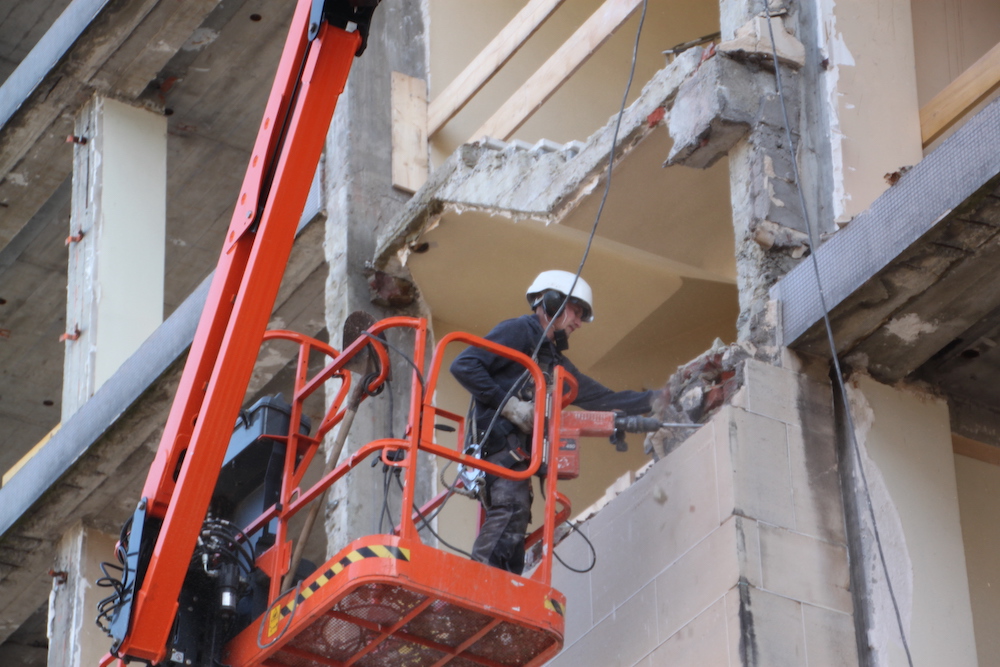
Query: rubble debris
x=770 y=235
x=388 y=291
x=753 y=39
x=893 y=177
x=698 y=390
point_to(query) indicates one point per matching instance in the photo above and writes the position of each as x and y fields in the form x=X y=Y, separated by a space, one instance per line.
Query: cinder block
x=816 y=494
x=735 y=639
x=669 y=510
x=622 y=639
x=725 y=472
x=772 y=391
x=804 y=568
x=761 y=484
x=748 y=550
x=830 y=638
x=698 y=579
x=704 y=641
x=771 y=630
x=575 y=586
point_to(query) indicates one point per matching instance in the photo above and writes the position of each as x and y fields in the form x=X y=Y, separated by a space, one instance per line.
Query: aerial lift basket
x=389 y=599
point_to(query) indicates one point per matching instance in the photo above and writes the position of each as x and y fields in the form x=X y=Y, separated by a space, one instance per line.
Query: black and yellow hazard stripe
x=556 y=606
x=373 y=551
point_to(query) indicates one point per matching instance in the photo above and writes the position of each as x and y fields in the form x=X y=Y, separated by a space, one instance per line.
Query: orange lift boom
x=386 y=599
x=310 y=77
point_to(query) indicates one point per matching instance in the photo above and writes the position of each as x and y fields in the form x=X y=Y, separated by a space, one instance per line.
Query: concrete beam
x=94 y=467
x=914 y=270
x=540 y=184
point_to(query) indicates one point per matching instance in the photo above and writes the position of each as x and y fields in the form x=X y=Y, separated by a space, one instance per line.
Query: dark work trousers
x=507 y=503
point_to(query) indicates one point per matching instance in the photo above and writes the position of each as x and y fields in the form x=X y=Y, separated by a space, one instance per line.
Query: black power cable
x=829 y=335
x=593 y=551
x=593 y=231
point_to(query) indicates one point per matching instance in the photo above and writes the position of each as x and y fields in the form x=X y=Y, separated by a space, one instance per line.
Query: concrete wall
x=979 y=502
x=730 y=551
x=905 y=442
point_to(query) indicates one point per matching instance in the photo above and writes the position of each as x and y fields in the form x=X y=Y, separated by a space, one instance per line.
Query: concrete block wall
x=730 y=551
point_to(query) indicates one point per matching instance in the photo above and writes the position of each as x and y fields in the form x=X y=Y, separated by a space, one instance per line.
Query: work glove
x=519 y=413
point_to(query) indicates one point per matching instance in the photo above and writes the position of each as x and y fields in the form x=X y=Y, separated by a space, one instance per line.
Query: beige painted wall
x=461 y=28
x=950 y=35
x=979 y=501
x=906 y=440
x=871 y=90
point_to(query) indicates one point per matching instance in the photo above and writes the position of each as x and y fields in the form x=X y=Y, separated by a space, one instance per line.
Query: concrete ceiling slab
x=478 y=267
x=179 y=62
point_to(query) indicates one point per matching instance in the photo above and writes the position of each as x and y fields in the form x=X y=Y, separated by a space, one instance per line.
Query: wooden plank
x=969 y=89
x=489 y=61
x=975 y=449
x=557 y=69
x=409 y=132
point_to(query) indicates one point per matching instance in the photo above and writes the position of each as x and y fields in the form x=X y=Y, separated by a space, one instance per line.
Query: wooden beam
x=557 y=69
x=970 y=88
x=489 y=61
x=409 y=132
x=975 y=449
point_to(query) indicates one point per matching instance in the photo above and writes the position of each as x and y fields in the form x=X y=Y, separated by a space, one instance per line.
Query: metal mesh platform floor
x=381 y=625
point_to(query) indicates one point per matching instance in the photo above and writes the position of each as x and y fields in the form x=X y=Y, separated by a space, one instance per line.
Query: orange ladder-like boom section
x=164 y=529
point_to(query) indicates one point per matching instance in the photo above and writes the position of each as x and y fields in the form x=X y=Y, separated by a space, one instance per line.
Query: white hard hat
x=561 y=281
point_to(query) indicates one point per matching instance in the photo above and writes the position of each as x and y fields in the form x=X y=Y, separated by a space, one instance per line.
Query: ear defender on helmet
x=551 y=301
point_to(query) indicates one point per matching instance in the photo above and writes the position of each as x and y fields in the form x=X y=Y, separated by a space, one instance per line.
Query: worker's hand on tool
x=520 y=413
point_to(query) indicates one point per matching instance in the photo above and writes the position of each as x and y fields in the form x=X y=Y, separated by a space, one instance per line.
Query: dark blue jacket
x=489 y=377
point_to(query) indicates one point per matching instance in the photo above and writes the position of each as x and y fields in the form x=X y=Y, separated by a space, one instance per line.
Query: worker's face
x=569 y=320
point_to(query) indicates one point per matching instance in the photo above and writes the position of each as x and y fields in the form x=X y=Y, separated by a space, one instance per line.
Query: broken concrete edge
x=887 y=300
x=515 y=183
x=753 y=40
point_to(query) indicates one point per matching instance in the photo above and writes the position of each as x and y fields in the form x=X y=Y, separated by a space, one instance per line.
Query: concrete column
x=116 y=251
x=730 y=551
x=74 y=639
x=905 y=442
x=361 y=201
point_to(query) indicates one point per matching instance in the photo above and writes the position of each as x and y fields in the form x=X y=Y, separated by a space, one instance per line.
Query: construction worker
x=498 y=384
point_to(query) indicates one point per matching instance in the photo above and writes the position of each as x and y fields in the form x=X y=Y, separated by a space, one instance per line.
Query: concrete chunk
x=714 y=109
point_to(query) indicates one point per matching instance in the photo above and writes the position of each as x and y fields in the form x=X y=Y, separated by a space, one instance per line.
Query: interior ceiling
x=652 y=235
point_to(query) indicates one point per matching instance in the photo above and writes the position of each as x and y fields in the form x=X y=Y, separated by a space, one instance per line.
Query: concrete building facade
x=785 y=177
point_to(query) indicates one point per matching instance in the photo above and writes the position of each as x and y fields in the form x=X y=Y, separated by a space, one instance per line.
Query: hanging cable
x=593 y=228
x=426 y=521
x=830 y=341
x=593 y=551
